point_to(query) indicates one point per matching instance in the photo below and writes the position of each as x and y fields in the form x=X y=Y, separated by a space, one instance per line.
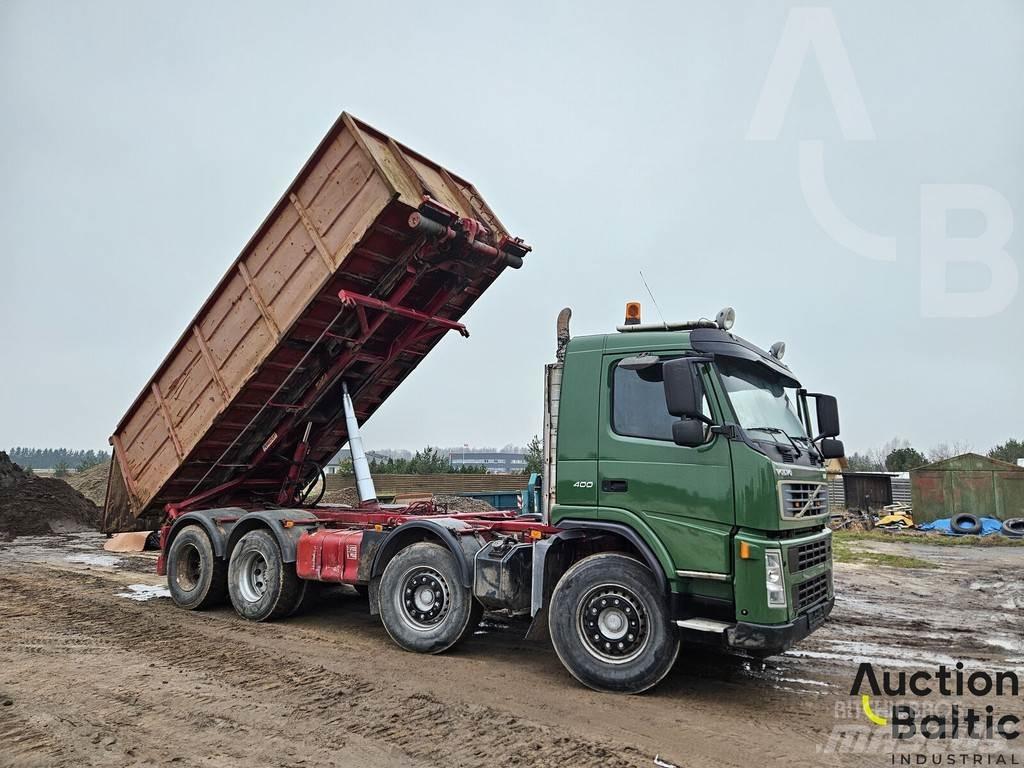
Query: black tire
x=609 y=625
x=262 y=586
x=423 y=605
x=1013 y=527
x=196 y=577
x=965 y=523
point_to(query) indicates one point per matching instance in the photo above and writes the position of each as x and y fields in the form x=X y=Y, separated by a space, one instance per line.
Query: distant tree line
x=429 y=461
x=59 y=459
x=900 y=456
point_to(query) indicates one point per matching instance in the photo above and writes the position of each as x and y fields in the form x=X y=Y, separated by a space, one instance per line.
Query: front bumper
x=770 y=639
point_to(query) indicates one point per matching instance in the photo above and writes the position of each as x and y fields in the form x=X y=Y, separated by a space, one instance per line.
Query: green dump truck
x=683 y=498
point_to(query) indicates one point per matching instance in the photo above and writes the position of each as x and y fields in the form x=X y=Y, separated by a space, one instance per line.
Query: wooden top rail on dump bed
x=369 y=257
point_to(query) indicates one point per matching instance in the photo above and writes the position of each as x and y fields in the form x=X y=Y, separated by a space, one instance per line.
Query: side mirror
x=832 y=449
x=684 y=389
x=828 y=415
x=688 y=433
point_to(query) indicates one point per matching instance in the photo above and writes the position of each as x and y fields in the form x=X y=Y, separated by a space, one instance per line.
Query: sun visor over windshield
x=717 y=342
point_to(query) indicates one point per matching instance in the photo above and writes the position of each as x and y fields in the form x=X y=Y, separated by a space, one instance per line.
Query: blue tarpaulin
x=988 y=525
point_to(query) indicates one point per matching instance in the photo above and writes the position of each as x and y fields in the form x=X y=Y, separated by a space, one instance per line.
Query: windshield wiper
x=777 y=431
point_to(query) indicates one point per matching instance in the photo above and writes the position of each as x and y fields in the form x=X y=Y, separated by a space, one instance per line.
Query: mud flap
x=539 y=626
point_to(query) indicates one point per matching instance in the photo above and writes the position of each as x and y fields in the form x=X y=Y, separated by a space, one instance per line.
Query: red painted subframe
x=350 y=299
x=332 y=552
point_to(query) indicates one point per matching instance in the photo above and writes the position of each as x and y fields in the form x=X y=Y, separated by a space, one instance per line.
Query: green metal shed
x=967 y=483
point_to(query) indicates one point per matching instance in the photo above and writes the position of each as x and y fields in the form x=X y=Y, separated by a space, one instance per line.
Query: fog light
x=726 y=318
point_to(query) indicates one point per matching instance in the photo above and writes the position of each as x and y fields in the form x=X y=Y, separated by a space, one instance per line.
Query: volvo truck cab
x=702 y=451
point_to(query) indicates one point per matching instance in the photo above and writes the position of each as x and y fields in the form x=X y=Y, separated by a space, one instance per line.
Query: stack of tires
x=967 y=524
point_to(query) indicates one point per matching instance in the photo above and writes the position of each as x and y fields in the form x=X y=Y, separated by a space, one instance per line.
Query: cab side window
x=638 y=404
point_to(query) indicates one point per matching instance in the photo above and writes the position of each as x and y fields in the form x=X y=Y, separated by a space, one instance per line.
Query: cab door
x=684 y=495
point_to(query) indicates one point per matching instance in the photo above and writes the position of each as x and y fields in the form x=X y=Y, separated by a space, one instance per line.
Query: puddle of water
x=901 y=661
x=108 y=561
x=1006 y=643
x=985 y=586
x=801 y=681
x=142 y=592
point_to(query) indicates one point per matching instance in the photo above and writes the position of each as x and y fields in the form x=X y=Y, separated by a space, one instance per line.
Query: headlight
x=773 y=579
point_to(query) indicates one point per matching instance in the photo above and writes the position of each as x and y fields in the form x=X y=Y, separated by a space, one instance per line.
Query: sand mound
x=92 y=483
x=35 y=506
x=344 y=496
x=463 y=504
x=349 y=497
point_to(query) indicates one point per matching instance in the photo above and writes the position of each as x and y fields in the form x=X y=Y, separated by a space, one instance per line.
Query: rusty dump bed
x=371 y=255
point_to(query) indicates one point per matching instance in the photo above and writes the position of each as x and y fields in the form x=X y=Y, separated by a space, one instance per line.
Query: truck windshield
x=760 y=401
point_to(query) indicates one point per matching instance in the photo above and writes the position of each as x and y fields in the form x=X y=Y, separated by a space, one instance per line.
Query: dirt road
x=90 y=677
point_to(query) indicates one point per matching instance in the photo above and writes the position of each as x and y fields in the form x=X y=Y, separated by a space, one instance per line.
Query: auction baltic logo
x=959 y=723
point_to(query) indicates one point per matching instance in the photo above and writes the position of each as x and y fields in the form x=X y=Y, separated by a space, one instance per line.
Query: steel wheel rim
x=612 y=624
x=188 y=567
x=252 y=576
x=425 y=598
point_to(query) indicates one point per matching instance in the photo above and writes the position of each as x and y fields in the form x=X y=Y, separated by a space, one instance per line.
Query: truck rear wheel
x=262 y=586
x=609 y=626
x=423 y=604
x=196 y=577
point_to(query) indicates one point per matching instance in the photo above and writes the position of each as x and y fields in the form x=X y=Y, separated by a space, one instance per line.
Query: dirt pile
x=35 y=506
x=344 y=496
x=349 y=497
x=463 y=504
x=91 y=483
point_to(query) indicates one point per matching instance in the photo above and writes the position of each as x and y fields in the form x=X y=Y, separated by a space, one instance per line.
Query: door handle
x=614 y=486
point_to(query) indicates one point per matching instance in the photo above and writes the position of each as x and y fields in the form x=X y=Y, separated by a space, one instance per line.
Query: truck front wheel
x=262 y=586
x=423 y=603
x=196 y=577
x=609 y=626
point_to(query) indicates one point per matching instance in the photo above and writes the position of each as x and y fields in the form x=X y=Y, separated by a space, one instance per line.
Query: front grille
x=809 y=555
x=807 y=593
x=804 y=499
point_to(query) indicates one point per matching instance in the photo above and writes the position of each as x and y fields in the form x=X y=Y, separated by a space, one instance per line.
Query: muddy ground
x=92 y=674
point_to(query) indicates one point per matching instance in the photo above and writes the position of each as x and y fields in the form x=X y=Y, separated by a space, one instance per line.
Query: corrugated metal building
x=495 y=462
x=880 y=488
x=967 y=483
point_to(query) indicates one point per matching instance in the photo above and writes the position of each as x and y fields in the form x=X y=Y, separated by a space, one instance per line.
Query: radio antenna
x=653 y=300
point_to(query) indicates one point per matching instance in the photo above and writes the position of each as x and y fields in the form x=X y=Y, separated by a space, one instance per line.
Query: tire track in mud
x=25 y=742
x=327 y=704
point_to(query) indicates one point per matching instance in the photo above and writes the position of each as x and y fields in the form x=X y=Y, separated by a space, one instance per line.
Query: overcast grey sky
x=141 y=144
